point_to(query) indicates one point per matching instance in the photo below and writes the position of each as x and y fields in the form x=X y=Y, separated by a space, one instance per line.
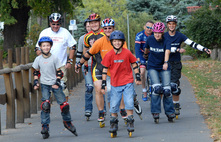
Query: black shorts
x=176 y=68
x=97 y=67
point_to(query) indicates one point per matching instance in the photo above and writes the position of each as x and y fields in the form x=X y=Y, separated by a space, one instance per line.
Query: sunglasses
x=149 y=27
x=56 y=24
x=108 y=28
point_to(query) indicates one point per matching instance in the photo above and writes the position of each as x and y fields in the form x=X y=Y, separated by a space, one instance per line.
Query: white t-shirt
x=61 y=40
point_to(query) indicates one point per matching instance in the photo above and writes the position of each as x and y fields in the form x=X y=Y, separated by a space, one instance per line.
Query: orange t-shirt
x=103 y=45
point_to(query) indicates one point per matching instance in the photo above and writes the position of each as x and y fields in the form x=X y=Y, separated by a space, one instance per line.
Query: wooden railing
x=27 y=99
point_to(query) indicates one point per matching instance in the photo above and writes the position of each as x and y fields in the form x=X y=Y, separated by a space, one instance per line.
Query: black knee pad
x=175 y=89
x=65 y=107
x=46 y=106
x=158 y=89
x=167 y=92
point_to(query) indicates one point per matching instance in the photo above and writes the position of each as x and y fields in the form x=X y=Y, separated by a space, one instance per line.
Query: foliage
x=205 y=28
x=160 y=9
x=195 y=53
x=117 y=10
x=32 y=39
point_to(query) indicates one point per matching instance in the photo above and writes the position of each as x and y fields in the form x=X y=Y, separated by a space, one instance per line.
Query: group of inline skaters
x=107 y=67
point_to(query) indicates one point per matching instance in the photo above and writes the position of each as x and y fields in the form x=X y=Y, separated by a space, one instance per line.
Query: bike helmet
x=55 y=17
x=171 y=18
x=158 y=27
x=107 y=22
x=117 y=35
x=94 y=17
x=85 y=21
x=45 y=39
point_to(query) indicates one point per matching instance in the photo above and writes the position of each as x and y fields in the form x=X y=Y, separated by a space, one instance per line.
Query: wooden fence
x=27 y=99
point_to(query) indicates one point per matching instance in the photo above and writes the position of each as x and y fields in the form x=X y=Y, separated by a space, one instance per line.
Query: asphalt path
x=190 y=126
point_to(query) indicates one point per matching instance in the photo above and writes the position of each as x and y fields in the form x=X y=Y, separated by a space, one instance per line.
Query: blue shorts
x=116 y=96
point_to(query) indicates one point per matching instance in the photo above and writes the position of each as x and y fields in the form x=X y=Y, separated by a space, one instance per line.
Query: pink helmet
x=158 y=27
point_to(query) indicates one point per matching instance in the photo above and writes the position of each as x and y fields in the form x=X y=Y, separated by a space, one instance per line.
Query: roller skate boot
x=124 y=115
x=177 y=109
x=45 y=131
x=113 y=126
x=137 y=108
x=171 y=117
x=101 y=119
x=88 y=115
x=130 y=125
x=156 y=117
x=70 y=127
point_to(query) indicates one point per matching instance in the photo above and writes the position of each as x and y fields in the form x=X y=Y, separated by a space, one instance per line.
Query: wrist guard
x=137 y=75
x=58 y=82
x=35 y=82
x=104 y=83
x=85 y=68
x=79 y=64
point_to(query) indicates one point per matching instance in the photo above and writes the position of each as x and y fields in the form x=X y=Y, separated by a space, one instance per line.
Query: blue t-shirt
x=175 y=41
x=157 y=52
x=140 y=40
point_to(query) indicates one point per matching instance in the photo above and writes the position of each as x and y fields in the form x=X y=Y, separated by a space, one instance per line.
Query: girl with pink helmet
x=159 y=72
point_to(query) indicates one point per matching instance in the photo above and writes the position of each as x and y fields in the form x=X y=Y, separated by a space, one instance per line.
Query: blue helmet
x=117 y=35
x=45 y=39
x=85 y=21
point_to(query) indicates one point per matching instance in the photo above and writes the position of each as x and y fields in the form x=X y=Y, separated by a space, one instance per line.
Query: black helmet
x=85 y=21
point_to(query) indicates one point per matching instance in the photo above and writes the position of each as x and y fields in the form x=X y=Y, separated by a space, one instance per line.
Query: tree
x=160 y=9
x=117 y=10
x=15 y=15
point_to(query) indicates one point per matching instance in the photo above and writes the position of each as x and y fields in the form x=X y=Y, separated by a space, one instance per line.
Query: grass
x=205 y=77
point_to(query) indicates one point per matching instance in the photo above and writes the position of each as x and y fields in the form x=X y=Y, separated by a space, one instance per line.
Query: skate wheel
x=141 y=118
x=45 y=136
x=177 y=116
x=130 y=134
x=87 y=118
x=102 y=124
x=113 y=135
x=156 y=121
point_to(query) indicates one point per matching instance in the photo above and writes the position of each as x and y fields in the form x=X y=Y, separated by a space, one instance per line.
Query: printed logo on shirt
x=175 y=44
x=57 y=39
x=118 y=61
x=156 y=49
x=104 y=50
x=45 y=62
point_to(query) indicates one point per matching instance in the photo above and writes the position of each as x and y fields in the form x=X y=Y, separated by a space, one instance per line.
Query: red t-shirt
x=120 y=66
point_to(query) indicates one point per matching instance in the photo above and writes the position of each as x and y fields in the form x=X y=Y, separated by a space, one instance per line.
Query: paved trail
x=190 y=126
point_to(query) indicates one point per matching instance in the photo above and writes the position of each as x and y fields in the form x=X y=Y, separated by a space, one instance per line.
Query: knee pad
x=46 y=106
x=89 y=89
x=167 y=92
x=175 y=90
x=157 y=89
x=65 y=107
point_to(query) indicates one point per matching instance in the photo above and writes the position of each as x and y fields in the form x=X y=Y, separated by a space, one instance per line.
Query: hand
x=68 y=66
x=208 y=51
x=55 y=86
x=85 y=69
x=165 y=66
x=77 y=67
x=36 y=87
x=145 y=56
x=138 y=82
x=103 y=91
x=182 y=50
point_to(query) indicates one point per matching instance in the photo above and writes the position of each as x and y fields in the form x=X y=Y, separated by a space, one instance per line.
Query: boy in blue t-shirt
x=50 y=79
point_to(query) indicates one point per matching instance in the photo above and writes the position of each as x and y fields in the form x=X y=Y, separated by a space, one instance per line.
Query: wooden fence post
x=20 y=94
x=10 y=113
x=22 y=55
x=10 y=61
x=39 y=98
x=25 y=76
x=33 y=95
x=0 y=123
x=26 y=55
x=18 y=55
x=1 y=59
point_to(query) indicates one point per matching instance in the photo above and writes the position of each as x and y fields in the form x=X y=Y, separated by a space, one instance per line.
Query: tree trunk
x=14 y=35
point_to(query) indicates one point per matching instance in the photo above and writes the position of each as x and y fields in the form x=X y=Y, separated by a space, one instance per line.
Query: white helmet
x=55 y=17
x=171 y=18
x=107 y=22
